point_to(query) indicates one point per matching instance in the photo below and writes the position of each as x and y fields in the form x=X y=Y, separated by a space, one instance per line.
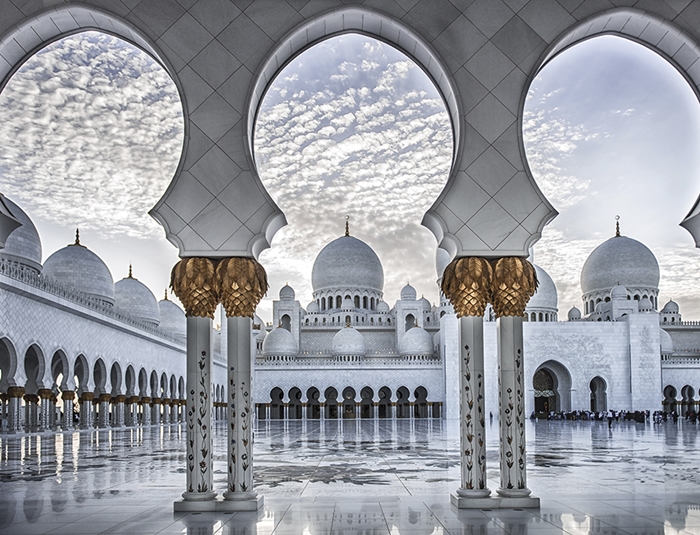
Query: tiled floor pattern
x=359 y=477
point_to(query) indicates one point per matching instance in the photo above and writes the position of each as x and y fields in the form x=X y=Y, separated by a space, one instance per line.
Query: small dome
x=424 y=303
x=645 y=304
x=287 y=293
x=313 y=308
x=620 y=260
x=442 y=260
x=23 y=245
x=172 y=318
x=347 y=262
x=382 y=306
x=134 y=299
x=261 y=335
x=347 y=304
x=666 y=342
x=408 y=293
x=348 y=342
x=79 y=268
x=416 y=341
x=618 y=292
x=574 y=314
x=671 y=308
x=280 y=343
x=546 y=295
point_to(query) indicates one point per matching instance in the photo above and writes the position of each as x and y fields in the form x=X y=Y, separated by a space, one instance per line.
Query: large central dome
x=347 y=263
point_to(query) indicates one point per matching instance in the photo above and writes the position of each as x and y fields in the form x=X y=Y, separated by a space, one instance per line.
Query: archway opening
x=545 y=392
x=352 y=126
x=608 y=124
x=670 y=403
x=598 y=393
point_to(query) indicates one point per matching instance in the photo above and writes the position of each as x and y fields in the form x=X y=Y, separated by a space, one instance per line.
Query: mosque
x=77 y=349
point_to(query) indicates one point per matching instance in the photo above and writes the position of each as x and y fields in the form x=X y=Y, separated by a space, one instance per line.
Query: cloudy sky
x=91 y=133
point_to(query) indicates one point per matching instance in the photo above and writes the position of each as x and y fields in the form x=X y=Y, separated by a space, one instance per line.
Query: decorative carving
x=194 y=282
x=467 y=284
x=45 y=393
x=68 y=395
x=15 y=391
x=514 y=283
x=240 y=283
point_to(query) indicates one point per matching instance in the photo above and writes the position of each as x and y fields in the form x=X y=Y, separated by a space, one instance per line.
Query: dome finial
x=617 y=226
x=166 y=295
x=347 y=225
x=130 y=276
x=77 y=236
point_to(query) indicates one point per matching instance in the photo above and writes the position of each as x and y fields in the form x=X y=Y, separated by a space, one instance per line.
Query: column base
x=495 y=502
x=218 y=505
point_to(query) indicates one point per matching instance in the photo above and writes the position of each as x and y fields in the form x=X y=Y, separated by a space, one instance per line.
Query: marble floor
x=360 y=477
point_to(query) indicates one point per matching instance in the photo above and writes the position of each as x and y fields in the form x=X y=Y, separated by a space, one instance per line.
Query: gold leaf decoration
x=467 y=284
x=193 y=281
x=241 y=283
x=514 y=283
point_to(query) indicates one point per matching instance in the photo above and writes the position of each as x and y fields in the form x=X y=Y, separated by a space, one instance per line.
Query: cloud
x=91 y=129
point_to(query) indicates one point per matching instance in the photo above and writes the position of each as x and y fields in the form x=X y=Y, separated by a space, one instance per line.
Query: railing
x=366 y=363
x=18 y=272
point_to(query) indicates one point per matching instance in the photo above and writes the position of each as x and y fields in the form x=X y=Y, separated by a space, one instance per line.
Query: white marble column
x=166 y=411
x=14 y=407
x=472 y=411
x=68 y=397
x=103 y=414
x=119 y=419
x=155 y=411
x=511 y=400
x=45 y=409
x=86 y=410
x=199 y=467
x=145 y=411
x=239 y=413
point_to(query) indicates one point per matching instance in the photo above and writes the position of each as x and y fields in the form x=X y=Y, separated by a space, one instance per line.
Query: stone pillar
x=155 y=411
x=132 y=411
x=14 y=406
x=103 y=414
x=166 y=410
x=514 y=282
x=145 y=404
x=194 y=282
x=120 y=417
x=45 y=410
x=241 y=283
x=31 y=411
x=86 y=412
x=467 y=283
x=68 y=397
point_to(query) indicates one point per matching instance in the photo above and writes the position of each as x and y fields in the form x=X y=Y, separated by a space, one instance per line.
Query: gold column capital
x=45 y=393
x=514 y=283
x=240 y=283
x=68 y=395
x=467 y=284
x=15 y=391
x=87 y=396
x=194 y=282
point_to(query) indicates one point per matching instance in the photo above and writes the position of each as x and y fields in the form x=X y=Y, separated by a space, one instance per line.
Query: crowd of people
x=611 y=416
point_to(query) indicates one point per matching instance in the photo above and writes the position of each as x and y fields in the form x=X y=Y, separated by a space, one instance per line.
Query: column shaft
x=199 y=439
x=239 y=412
x=14 y=407
x=86 y=411
x=68 y=397
x=511 y=401
x=472 y=412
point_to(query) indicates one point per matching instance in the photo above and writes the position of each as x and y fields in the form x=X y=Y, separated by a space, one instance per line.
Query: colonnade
x=470 y=283
x=40 y=412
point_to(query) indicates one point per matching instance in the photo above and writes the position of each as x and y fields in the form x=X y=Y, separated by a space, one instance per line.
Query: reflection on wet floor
x=360 y=477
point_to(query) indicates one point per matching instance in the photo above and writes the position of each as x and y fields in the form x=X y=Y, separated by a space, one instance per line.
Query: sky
x=91 y=133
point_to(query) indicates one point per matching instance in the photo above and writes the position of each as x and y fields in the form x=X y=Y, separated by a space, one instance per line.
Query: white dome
x=671 y=307
x=442 y=260
x=574 y=314
x=348 y=342
x=408 y=293
x=280 y=343
x=645 y=304
x=172 y=318
x=618 y=292
x=23 y=245
x=666 y=342
x=261 y=335
x=416 y=341
x=313 y=308
x=382 y=306
x=134 y=299
x=347 y=263
x=425 y=303
x=257 y=320
x=79 y=268
x=620 y=260
x=287 y=293
x=546 y=295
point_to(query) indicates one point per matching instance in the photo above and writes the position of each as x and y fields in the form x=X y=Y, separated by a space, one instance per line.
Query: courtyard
x=361 y=476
